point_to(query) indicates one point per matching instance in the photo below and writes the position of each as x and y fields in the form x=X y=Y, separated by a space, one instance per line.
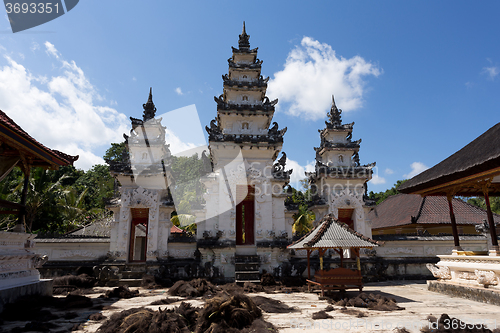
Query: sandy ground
x=412 y=295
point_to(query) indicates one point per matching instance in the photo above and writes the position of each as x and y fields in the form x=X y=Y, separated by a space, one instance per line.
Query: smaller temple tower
x=339 y=183
x=141 y=225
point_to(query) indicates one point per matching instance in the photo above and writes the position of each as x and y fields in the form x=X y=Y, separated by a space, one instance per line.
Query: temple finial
x=334 y=115
x=244 y=43
x=149 y=107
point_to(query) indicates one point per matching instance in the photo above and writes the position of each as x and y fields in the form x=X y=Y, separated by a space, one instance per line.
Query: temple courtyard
x=413 y=296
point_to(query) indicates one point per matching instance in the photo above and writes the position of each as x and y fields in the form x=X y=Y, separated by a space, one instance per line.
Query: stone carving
x=466 y=275
x=399 y=250
x=442 y=272
x=77 y=253
x=265 y=258
x=282 y=257
x=226 y=258
x=270 y=234
x=152 y=253
x=431 y=250
x=259 y=233
x=486 y=278
x=177 y=253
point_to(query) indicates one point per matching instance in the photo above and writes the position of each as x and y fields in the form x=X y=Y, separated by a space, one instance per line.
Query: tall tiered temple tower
x=245 y=215
x=141 y=225
x=339 y=183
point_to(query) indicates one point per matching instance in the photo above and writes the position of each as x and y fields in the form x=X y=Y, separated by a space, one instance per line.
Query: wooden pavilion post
x=493 y=232
x=454 y=230
x=21 y=222
x=308 y=264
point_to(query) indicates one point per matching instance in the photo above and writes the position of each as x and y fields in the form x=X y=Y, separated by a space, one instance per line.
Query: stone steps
x=247 y=268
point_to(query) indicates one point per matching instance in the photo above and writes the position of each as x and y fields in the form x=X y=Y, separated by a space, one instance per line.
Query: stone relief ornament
x=465 y=275
x=270 y=234
x=442 y=272
x=486 y=278
x=152 y=253
x=265 y=258
x=232 y=232
x=259 y=233
x=282 y=257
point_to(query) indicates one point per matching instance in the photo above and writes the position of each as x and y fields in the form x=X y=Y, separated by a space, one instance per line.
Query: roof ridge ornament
x=149 y=107
x=243 y=42
x=334 y=116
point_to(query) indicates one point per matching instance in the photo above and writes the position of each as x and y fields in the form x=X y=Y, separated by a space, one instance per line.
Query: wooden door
x=245 y=215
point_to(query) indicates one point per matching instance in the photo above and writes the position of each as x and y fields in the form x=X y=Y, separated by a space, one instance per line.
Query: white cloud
x=388 y=171
x=60 y=111
x=312 y=73
x=416 y=168
x=134 y=79
x=179 y=91
x=298 y=172
x=377 y=180
x=176 y=144
x=50 y=49
x=35 y=46
x=492 y=71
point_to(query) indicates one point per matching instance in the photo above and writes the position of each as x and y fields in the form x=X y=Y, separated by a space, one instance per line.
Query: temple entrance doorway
x=245 y=215
x=138 y=235
x=345 y=215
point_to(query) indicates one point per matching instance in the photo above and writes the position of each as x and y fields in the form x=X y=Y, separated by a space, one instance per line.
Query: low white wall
x=72 y=249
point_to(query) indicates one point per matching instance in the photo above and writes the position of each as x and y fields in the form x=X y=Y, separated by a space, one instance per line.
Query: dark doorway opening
x=345 y=215
x=245 y=213
x=138 y=235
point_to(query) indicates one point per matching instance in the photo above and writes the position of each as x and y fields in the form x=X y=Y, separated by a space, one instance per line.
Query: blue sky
x=420 y=79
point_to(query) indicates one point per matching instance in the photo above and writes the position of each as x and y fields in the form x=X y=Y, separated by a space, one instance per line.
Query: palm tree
x=71 y=205
x=303 y=221
x=185 y=222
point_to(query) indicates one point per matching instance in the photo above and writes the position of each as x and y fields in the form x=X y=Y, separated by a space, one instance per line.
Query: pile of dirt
x=97 y=316
x=321 y=315
x=270 y=305
x=370 y=301
x=149 y=282
x=36 y=326
x=267 y=280
x=68 y=283
x=138 y=320
x=165 y=301
x=120 y=292
x=193 y=288
x=250 y=287
x=445 y=324
x=237 y=313
x=29 y=308
x=353 y=312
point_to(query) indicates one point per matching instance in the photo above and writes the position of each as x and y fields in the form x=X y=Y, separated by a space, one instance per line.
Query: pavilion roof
x=15 y=141
x=404 y=209
x=478 y=160
x=331 y=233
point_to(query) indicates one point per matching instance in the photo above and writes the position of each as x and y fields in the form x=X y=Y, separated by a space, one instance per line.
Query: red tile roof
x=401 y=209
x=16 y=137
x=176 y=230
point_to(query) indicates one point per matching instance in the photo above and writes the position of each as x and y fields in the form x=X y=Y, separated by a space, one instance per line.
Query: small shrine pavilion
x=338 y=236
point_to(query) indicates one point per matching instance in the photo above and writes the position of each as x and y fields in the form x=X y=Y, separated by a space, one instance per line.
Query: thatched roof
x=331 y=233
x=405 y=209
x=480 y=156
